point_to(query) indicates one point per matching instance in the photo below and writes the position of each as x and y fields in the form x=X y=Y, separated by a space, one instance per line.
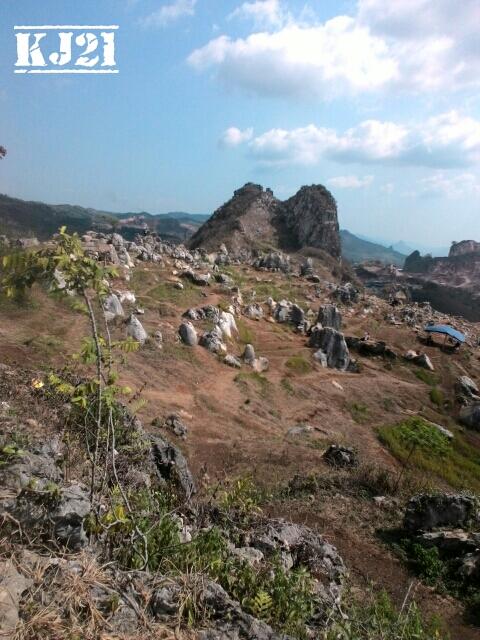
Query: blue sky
x=382 y=109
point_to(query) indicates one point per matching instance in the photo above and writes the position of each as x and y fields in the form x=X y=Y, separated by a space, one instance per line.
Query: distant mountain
x=405 y=246
x=356 y=249
x=28 y=218
x=409 y=247
x=21 y=218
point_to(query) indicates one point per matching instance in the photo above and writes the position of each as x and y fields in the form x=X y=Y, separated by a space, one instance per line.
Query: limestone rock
x=253 y=311
x=232 y=361
x=188 y=334
x=333 y=345
x=426 y=512
x=136 y=331
x=113 y=307
x=470 y=416
x=339 y=456
x=172 y=466
x=330 y=316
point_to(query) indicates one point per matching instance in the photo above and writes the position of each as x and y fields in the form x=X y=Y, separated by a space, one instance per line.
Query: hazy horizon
x=382 y=110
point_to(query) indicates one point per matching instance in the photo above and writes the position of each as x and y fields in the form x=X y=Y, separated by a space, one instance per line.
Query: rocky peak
x=253 y=218
x=311 y=220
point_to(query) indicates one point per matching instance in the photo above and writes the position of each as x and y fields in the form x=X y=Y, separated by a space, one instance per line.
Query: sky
x=377 y=100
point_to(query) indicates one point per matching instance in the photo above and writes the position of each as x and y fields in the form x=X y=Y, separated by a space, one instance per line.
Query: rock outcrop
x=450 y=283
x=254 y=218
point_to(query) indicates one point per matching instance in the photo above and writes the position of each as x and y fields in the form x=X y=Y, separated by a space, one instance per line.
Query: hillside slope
x=356 y=250
x=271 y=427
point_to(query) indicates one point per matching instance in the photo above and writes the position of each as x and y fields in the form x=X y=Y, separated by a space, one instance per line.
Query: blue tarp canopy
x=446 y=330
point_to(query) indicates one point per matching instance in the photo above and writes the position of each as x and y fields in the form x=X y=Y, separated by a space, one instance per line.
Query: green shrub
x=299 y=365
x=427 y=377
x=262 y=383
x=359 y=412
x=437 y=397
x=245 y=334
x=419 y=444
x=378 y=619
x=427 y=563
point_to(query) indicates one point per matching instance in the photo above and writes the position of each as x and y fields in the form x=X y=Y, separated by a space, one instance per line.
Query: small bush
x=437 y=397
x=262 y=383
x=299 y=365
x=419 y=444
x=245 y=334
x=378 y=619
x=427 y=563
x=427 y=377
x=359 y=412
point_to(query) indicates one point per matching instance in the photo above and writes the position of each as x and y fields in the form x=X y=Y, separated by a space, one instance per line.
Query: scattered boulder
x=135 y=330
x=171 y=465
x=330 y=316
x=456 y=542
x=466 y=390
x=176 y=425
x=253 y=311
x=212 y=341
x=426 y=512
x=232 y=361
x=306 y=268
x=253 y=557
x=249 y=355
x=286 y=311
x=421 y=360
x=113 y=307
x=223 y=278
x=208 y=312
x=227 y=324
x=201 y=280
x=470 y=416
x=370 y=348
x=299 y=545
x=347 y=294
x=333 y=345
x=339 y=456
x=273 y=261
x=188 y=334
x=261 y=364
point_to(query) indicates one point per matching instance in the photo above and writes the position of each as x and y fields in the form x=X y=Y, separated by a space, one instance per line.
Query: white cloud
x=350 y=182
x=438 y=48
x=321 y=60
x=233 y=136
x=169 y=13
x=445 y=141
x=416 y=45
x=452 y=187
x=388 y=188
x=264 y=13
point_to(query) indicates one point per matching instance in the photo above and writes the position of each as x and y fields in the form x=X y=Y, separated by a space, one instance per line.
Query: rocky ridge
x=254 y=219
